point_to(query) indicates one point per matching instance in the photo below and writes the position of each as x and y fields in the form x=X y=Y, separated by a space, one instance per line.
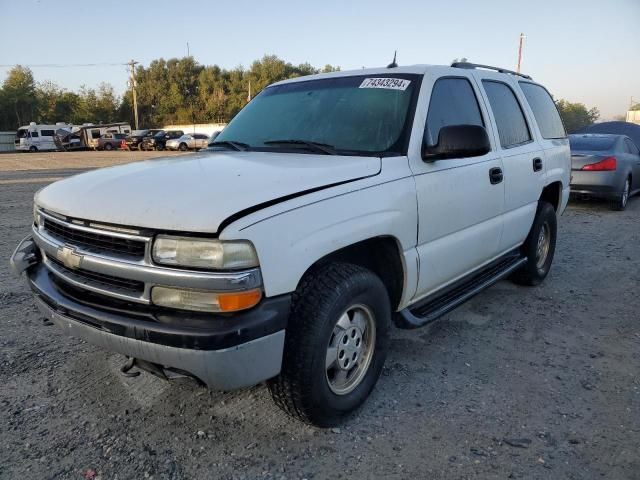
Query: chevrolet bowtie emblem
x=69 y=257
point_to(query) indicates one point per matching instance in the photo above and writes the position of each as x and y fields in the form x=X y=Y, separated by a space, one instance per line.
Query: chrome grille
x=99 y=242
x=100 y=279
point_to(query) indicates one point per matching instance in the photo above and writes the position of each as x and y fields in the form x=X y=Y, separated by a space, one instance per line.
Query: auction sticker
x=388 y=83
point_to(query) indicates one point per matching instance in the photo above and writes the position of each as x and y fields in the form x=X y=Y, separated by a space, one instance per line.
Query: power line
x=63 y=65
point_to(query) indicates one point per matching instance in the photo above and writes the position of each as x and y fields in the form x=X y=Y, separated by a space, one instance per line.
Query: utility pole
x=133 y=64
x=520 y=52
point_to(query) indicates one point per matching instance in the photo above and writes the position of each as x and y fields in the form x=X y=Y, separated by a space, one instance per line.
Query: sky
x=584 y=51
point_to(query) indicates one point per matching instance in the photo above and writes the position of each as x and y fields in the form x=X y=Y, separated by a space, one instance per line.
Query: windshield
x=160 y=134
x=139 y=133
x=592 y=144
x=364 y=114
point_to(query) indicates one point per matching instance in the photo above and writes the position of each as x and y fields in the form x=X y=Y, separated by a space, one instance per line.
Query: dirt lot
x=22 y=161
x=520 y=382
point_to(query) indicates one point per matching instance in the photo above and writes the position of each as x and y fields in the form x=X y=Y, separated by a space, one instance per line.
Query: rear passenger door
x=522 y=157
x=459 y=204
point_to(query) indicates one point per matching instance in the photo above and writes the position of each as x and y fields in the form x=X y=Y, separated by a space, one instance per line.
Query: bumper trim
x=240 y=366
x=24 y=256
x=156 y=325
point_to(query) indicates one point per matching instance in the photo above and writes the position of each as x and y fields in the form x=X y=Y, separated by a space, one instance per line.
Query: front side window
x=353 y=115
x=453 y=102
x=512 y=126
x=544 y=109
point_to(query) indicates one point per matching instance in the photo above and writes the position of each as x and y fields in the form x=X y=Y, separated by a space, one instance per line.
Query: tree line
x=178 y=90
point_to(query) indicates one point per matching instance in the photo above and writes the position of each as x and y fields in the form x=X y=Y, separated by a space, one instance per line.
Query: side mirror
x=458 y=141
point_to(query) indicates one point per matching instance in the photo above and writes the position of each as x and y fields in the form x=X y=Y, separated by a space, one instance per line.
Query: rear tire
x=539 y=247
x=620 y=203
x=335 y=345
x=107 y=146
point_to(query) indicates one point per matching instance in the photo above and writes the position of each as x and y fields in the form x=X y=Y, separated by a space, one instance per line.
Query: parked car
x=110 y=141
x=287 y=257
x=158 y=141
x=605 y=166
x=135 y=141
x=188 y=141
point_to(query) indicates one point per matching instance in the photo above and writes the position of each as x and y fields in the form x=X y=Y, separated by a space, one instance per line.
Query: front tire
x=620 y=203
x=336 y=344
x=539 y=247
x=183 y=147
x=108 y=147
x=33 y=149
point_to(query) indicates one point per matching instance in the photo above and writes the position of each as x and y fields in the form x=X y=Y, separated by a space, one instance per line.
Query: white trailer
x=35 y=137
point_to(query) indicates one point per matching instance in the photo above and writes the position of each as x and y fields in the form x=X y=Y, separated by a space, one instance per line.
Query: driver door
x=460 y=200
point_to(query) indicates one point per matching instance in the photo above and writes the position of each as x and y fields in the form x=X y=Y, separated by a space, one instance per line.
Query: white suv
x=330 y=207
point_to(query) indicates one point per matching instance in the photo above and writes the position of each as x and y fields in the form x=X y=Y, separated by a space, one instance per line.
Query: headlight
x=212 y=254
x=37 y=218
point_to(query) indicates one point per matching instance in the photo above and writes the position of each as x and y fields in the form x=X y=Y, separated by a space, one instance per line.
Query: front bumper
x=223 y=351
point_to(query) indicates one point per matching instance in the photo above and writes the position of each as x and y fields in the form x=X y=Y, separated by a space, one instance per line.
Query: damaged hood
x=196 y=193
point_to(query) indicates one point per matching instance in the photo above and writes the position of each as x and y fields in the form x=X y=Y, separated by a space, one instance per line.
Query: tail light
x=607 y=164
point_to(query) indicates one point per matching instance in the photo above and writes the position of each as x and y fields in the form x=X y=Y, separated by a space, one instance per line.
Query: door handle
x=537 y=164
x=495 y=175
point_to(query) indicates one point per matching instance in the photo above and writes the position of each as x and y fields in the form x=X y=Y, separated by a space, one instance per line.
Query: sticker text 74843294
x=388 y=83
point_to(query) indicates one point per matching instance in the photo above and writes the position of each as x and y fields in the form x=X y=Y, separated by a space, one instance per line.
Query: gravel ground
x=519 y=382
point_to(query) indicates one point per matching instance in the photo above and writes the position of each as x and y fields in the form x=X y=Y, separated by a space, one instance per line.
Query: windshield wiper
x=318 y=147
x=238 y=146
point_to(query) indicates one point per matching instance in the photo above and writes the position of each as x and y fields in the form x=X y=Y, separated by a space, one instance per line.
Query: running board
x=433 y=307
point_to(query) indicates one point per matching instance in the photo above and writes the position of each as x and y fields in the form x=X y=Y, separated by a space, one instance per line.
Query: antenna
x=393 y=64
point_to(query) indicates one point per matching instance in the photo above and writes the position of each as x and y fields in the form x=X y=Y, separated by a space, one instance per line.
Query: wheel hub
x=544 y=242
x=349 y=348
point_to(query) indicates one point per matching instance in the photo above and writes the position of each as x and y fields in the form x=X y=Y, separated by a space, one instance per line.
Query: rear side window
x=512 y=126
x=544 y=110
x=47 y=133
x=453 y=102
x=592 y=144
x=34 y=134
x=631 y=147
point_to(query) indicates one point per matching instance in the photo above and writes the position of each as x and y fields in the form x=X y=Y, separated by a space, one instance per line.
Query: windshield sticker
x=388 y=83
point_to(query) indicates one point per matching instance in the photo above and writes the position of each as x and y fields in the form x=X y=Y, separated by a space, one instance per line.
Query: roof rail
x=487 y=67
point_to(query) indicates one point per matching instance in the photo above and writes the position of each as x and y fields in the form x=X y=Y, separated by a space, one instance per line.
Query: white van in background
x=34 y=137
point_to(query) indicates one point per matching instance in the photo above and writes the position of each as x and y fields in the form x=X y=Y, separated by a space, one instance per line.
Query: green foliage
x=576 y=116
x=168 y=91
x=18 y=99
x=182 y=91
x=635 y=107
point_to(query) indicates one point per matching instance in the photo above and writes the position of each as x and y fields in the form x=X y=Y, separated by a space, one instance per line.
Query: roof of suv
x=411 y=69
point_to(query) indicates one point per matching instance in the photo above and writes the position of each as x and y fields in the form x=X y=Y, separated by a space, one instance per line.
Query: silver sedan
x=605 y=166
x=188 y=141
